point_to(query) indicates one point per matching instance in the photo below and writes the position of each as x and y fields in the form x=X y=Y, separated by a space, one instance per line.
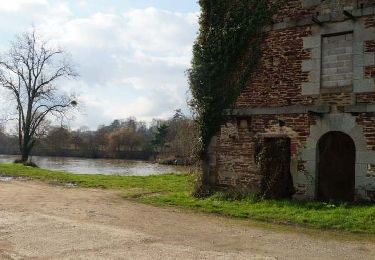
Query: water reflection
x=99 y=166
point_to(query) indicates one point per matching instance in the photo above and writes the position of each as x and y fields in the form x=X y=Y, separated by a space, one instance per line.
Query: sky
x=132 y=55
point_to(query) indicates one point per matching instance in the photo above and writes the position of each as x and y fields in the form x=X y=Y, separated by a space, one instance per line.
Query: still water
x=99 y=166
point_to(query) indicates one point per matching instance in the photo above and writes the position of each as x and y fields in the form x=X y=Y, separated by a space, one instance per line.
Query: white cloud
x=17 y=5
x=131 y=64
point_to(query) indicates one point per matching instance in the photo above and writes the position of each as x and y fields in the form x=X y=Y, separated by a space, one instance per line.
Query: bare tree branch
x=29 y=71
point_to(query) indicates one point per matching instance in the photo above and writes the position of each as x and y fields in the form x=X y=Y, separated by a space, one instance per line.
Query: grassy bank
x=175 y=190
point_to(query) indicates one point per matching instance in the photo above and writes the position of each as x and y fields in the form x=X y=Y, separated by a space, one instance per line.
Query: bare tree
x=30 y=71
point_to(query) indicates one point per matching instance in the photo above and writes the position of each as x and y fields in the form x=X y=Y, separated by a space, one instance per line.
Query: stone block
x=361 y=193
x=330 y=73
x=310 y=65
x=316 y=53
x=320 y=131
x=243 y=124
x=345 y=56
x=324 y=18
x=357 y=12
x=310 y=3
x=334 y=122
x=362 y=35
x=314 y=76
x=312 y=42
x=344 y=83
x=312 y=142
x=358 y=47
x=280 y=26
x=346 y=70
x=347 y=124
x=357 y=135
x=363 y=85
x=369 y=59
x=308 y=154
x=329 y=84
x=365 y=157
x=358 y=60
x=333 y=28
x=330 y=58
x=360 y=171
x=358 y=73
x=368 y=11
x=310 y=88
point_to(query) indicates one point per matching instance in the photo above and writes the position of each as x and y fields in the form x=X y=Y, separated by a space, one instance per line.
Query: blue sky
x=131 y=54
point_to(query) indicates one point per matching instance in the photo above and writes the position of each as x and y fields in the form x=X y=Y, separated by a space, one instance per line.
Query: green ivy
x=224 y=56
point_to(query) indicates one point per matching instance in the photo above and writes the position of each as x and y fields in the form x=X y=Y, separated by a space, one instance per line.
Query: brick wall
x=278 y=82
x=365 y=98
x=336 y=99
x=279 y=77
x=369 y=70
x=235 y=160
x=239 y=138
x=367 y=121
x=293 y=9
x=365 y=3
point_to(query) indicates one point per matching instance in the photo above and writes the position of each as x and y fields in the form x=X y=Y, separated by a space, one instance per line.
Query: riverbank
x=175 y=190
x=100 y=166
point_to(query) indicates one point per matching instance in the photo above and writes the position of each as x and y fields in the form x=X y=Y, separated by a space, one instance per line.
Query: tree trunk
x=26 y=148
x=24 y=156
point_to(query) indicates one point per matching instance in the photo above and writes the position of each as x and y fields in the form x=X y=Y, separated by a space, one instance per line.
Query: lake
x=99 y=166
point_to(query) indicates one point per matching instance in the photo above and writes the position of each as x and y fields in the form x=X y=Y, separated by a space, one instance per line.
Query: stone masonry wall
x=337 y=61
x=293 y=9
x=278 y=82
x=235 y=161
x=238 y=141
x=368 y=125
x=369 y=70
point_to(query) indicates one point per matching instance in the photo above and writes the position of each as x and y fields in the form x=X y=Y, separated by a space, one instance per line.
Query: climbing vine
x=224 y=56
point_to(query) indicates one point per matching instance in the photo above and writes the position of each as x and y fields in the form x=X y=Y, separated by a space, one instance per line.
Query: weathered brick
x=285 y=66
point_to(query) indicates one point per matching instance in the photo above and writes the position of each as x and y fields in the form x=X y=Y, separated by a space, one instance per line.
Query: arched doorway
x=336 y=167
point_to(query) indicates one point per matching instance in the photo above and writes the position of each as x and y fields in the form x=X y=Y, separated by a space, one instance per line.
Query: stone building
x=314 y=88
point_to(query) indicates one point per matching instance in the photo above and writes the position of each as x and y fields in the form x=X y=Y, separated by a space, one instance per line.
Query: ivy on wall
x=224 y=56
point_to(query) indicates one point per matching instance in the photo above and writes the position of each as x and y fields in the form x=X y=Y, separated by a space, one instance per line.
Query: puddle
x=70 y=185
x=6 y=179
x=22 y=179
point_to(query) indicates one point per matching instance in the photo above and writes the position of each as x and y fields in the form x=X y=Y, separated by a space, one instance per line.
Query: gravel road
x=38 y=221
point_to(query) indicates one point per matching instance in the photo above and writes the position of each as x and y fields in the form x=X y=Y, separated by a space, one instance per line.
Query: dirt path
x=43 y=222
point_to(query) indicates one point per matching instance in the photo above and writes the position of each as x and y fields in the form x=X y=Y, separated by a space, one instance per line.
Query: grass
x=149 y=184
x=175 y=190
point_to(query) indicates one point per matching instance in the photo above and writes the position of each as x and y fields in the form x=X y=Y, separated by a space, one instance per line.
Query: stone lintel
x=357 y=13
x=310 y=3
x=298 y=109
x=363 y=108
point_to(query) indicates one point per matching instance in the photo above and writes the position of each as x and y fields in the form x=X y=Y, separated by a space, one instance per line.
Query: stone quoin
x=315 y=85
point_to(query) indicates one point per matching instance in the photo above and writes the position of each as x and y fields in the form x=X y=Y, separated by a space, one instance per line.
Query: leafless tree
x=31 y=71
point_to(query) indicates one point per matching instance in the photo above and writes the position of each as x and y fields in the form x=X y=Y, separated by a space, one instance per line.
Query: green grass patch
x=175 y=190
x=132 y=185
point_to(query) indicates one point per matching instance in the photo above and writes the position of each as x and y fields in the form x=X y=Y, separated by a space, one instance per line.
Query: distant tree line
x=169 y=141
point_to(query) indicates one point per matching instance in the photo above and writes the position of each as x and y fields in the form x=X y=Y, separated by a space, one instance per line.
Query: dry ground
x=38 y=221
